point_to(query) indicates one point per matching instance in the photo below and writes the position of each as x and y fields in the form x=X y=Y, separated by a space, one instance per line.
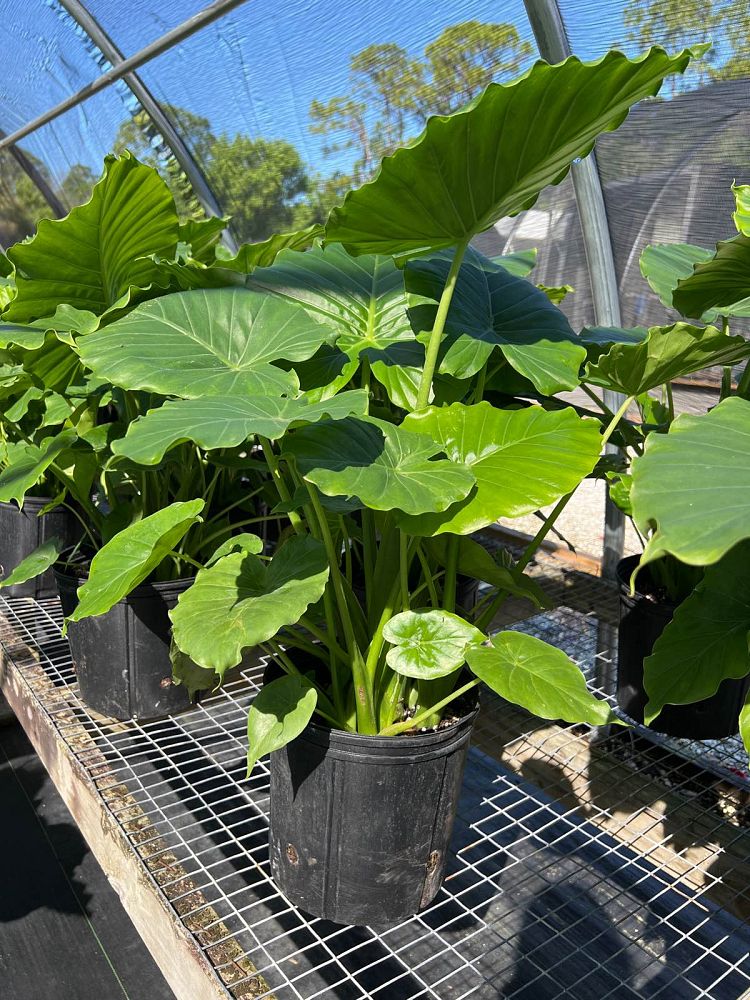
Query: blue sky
x=254 y=71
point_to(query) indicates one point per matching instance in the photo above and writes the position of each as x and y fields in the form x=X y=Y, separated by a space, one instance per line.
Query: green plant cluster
x=373 y=392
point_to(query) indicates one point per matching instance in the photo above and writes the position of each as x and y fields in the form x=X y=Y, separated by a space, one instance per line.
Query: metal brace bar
x=37 y=179
x=552 y=40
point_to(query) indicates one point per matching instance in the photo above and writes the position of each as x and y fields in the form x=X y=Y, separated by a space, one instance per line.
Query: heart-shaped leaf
x=207 y=342
x=522 y=460
x=131 y=556
x=429 y=644
x=387 y=467
x=93 y=257
x=278 y=715
x=29 y=463
x=666 y=264
x=520 y=263
x=363 y=301
x=36 y=563
x=693 y=485
x=240 y=601
x=492 y=159
x=492 y=309
x=667 y=353
x=707 y=640
x=226 y=422
x=542 y=679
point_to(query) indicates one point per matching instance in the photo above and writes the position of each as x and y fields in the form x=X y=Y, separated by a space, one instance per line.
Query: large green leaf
x=252 y=255
x=207 y=342
x=693 y=485
x=93 y=257
x=36 y=563
x=226 y=422
x=667 y=353
x=279 y=714
x=387 y=467
x=522 y=460
x=241 y=601
x=707 y=640
x=429 y=644
x=721 y=284
x=362 y=300
x=665 y=264
x=542 y=679
x=492 y=159
x=201 y=237
x=491 y=308
x=131 y=556
x=28 y=463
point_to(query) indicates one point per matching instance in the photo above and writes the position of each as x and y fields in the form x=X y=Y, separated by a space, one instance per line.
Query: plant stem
x=479 y=389
x=403 y=546
x=369 y=549
x=402 y=727
x=436 y=337
x=599 y=402
x=283 y=490
x=726 y=382
x=428 y=576
x=451 y=572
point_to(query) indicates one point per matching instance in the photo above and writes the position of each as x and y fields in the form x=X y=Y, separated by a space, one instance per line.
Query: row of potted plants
x=288 y=451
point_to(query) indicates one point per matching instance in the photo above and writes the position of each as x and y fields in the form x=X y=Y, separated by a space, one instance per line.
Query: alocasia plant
x=354 y=375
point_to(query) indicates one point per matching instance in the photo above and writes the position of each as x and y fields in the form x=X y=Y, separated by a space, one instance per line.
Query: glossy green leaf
x=429 y=644
x=387 y=467
x=666 y=264
x=707 y=640
x=363 y=301
x=245 y=542
x=476 y=562
x=20 y=335
x=36 y=563
x=210 y=342
x=492 y=308
x=131 y=556
x=668 y=352
x=278 y=715
x=93 y=257
x=253 y=255
x=522 y=460
x=226 y=422
x=745 y=723
x=492 y=159
x=619 y=485
x=721 y=284
x=29 y=464
x=520 y=263
x=538 y=677
x=693 y=485
x=241 y=601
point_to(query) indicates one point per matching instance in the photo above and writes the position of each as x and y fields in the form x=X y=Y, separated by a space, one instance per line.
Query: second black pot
x=360 y=825
x=642 y=621
x=22 y=531
x=122 y=657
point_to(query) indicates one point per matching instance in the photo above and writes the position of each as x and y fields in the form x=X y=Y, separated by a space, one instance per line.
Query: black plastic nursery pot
x=22 y=531
x=642 y=620
x=360 y=825
x=122 y=657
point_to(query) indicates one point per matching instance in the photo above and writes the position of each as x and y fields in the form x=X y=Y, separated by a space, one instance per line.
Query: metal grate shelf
x=586 y=863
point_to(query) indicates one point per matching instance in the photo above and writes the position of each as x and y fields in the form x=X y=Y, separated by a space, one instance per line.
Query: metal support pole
x=153 y=109
x=38 y=180
x=552 y=40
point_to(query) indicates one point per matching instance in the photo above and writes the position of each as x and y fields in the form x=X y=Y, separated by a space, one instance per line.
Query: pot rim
x=142 y=590
x=623 y=572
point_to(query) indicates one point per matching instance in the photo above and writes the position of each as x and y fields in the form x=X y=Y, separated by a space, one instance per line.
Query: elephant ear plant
x=409 y=322
x=691 y=485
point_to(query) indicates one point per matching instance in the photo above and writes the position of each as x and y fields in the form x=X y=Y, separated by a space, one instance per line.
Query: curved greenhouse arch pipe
x=88 y=23
x=552 y=40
